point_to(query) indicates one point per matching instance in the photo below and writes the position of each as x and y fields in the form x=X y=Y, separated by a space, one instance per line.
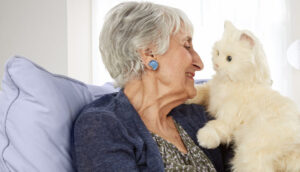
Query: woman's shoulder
x=103 y=103
x=96 y=112
x=107 y=104
x=110 y=108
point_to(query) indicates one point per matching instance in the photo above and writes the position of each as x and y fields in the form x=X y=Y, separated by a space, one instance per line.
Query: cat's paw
x=208 y=137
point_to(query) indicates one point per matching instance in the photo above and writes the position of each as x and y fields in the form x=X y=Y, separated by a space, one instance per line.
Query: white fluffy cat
x=264 y=125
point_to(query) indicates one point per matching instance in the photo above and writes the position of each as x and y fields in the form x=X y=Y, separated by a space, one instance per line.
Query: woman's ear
x=146 y=57
x=248 y=39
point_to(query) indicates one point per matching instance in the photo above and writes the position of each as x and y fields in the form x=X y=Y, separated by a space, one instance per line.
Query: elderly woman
x=147 y=48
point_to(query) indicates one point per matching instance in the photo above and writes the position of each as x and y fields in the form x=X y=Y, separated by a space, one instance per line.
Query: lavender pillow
x=37 y=109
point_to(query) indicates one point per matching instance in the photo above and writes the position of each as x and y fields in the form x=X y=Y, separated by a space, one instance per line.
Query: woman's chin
x=191 y=92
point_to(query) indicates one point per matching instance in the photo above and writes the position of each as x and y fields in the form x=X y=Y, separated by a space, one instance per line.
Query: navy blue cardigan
x=109 y=135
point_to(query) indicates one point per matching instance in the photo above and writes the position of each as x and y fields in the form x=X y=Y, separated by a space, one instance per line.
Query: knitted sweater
x=109 y=135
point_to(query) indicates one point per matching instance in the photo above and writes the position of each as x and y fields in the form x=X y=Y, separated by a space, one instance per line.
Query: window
x=267 y=22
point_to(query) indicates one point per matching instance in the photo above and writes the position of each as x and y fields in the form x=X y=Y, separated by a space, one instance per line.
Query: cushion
x=37 y=109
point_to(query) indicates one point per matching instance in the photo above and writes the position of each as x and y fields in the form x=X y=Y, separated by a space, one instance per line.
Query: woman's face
x=178 y=65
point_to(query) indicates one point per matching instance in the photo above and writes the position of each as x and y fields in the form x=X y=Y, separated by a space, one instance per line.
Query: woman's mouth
x=190 y=75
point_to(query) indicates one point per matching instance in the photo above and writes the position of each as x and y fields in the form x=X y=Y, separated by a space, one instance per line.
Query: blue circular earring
x=153 y=64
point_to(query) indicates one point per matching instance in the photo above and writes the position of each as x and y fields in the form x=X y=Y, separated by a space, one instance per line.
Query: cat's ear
x=248 y=39
x=228 y=26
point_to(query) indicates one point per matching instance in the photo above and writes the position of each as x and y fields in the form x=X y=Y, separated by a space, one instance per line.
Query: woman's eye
x=187 y=46
x=229 y=58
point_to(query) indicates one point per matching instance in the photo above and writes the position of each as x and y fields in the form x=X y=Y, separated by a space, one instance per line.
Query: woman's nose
x=197 y=62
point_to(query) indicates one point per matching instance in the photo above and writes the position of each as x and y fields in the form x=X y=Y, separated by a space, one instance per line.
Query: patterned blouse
x=194 y=160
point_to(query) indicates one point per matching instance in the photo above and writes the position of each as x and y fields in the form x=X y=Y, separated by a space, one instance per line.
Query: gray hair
x=133 y=26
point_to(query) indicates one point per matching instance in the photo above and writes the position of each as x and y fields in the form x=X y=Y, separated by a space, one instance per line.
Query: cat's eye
x=217 y=53
x=229 y=58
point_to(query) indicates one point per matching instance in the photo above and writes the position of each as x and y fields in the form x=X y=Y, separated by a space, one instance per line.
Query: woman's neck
x=153 y=101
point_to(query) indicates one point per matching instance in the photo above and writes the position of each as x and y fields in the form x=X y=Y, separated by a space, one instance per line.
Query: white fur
x=264 y=125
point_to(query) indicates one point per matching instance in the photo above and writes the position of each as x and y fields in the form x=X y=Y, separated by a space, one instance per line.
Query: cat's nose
x=216 y=66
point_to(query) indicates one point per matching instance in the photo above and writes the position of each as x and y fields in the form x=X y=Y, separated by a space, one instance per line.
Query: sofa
x=37 y=110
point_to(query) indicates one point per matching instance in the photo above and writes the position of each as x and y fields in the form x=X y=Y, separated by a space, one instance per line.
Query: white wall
x=293 y=86
x=79 y=40
x=53 y=33
x=35 y=29
x=295 y=19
